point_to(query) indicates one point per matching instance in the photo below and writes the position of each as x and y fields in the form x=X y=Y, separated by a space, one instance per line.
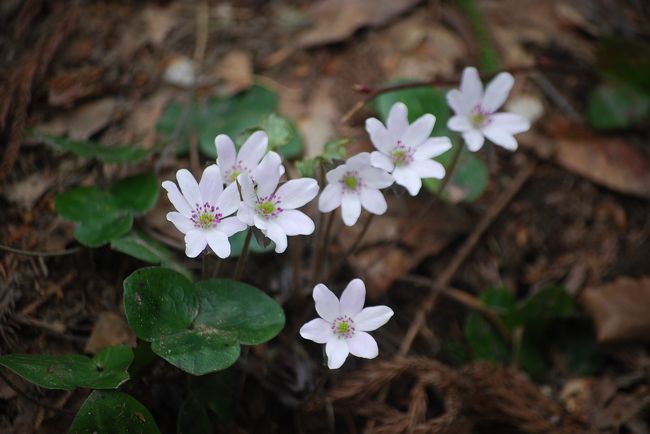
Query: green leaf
x=332 y=151
x=86 y=203
x=547 y=304
x=625 y=61
x=307 y=168
x=199 y=327
x=617 y=106
x=484 y=341
x=237 y=245
x=533 y=357
x=113 y=412
x=103 y=229
x=107 y=154
x=283 y=135
x=107 y=370
x=469 y=180
x=137 y=193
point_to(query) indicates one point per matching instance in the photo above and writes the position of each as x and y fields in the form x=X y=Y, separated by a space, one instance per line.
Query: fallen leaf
x=610 y=162
x=109 y=329
x=318 y=126
x=89 y=118
x=27 y=191
x=70 y=86
x=620 y=309
x=336 y=20
x=236 y=72
x=159 y=21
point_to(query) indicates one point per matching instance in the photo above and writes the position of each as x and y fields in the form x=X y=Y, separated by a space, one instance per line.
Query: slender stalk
x=296 y=263
x=241 y=263
x=205 y=265
x=325 y=373
x=358 y=240
x=321 y=246
x=449 y=174
x=37 y=253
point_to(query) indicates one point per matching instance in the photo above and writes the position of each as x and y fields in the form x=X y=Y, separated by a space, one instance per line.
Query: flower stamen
x=343 y=327
x=401 y=155
x=205 y=216
x=269 y=206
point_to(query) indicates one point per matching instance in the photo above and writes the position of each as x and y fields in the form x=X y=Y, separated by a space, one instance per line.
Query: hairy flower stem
x=205 y=265
x=322 y=243
x=241 y=263
x=451 y=169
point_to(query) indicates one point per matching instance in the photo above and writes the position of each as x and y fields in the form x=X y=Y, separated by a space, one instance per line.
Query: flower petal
x=327 y=304
x=373 y=201
x=253 y=150
x=247 y=190
x=457 y=102
x=358 y=162
x=335 y=175
x=294 y=222
x=231 y=225
x=337 y=351
x=379 y=135
x=228 y=202
x=218 y=242
x=428 y=169
x=500 y=137
x=459 y=123
x=381 y=161
x=419 y=131
x=353 y=298
x=474 y=140
x=260 y=222
x=408 y=179
x=181 y=222
x=211 y=184
x=317 y=330
x=177 y=199
x=433 y=147
x=363 y=345
x=397 y=121
x=376 y=178
x=276 y=234
x=297 y=192
x=330 y=198
x=510 y=122
x=350 y=208
x=195 y=243
x=497 y=92
x=246 y=214
x=267 y=174
x=226 y=153
x=189 y=187
x=471 y=87
x=371 y=318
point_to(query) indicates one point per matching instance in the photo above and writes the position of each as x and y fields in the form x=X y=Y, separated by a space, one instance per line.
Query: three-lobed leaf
x=198 y=327
x=107 y=370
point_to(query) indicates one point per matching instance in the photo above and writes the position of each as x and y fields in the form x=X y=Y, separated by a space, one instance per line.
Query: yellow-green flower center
x=478 y=119
x=205 y=219
x=399 y=156
x=266 y=208
x=351 y=182
x=233 y=176
x=342 y=328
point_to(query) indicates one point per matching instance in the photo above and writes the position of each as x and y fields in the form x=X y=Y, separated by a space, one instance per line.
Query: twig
x=444 y=279
x=39 y=253
x=241 y=263
x=28 y=397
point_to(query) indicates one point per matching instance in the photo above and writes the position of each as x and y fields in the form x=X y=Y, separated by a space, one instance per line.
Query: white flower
x=343 y=325
x=247 y=160
x=272 y=209
x=476 y=116
x=203 y=210
x=353 y=185
x=406 y=150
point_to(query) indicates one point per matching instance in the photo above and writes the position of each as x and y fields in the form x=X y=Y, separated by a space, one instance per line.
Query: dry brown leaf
x=400 y=239
x=620 y=309
x=159 y=22
x=27 y=191
x=236 y=72
x=69 y=86
x=322 y=114
x=336 y=20
x=89 y=118
x=606 y=161
x=109 y=329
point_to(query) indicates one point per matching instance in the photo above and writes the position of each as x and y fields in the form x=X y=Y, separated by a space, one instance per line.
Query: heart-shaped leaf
x=137 y=193
x=617 y=106
x=107 y=411
x=198 y=327
x=107 y=370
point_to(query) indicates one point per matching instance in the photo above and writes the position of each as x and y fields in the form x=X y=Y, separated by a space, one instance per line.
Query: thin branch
x=40 y=253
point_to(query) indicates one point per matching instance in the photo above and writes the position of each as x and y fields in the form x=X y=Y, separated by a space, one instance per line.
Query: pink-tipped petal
x=408 y=179
x=195 y=243
x=226 y=153
x=317 y=330
x=337 y=351
x=433 y=147
x=371 y=318
x=419 y=131
x=218 y=242
x=350 y=208
x=294 y=222
x=327 y=304
x=497 y=92
x=297 y=192
x=397 y=121
x=353 y=298
x=253 y=149
x=363 y=345
x=330 y=198
x=181 y=222
x=177 y=199
x=474 y=140
x=373 y=201
x=379 y=135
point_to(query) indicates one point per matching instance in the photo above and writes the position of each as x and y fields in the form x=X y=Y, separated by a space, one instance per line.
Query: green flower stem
x=322 y=243
x=241 y=263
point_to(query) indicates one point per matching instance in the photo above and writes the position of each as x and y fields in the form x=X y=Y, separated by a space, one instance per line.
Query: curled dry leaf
x=336 y=20
x=236 y=72
x=620 y=309
x=110 y=329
